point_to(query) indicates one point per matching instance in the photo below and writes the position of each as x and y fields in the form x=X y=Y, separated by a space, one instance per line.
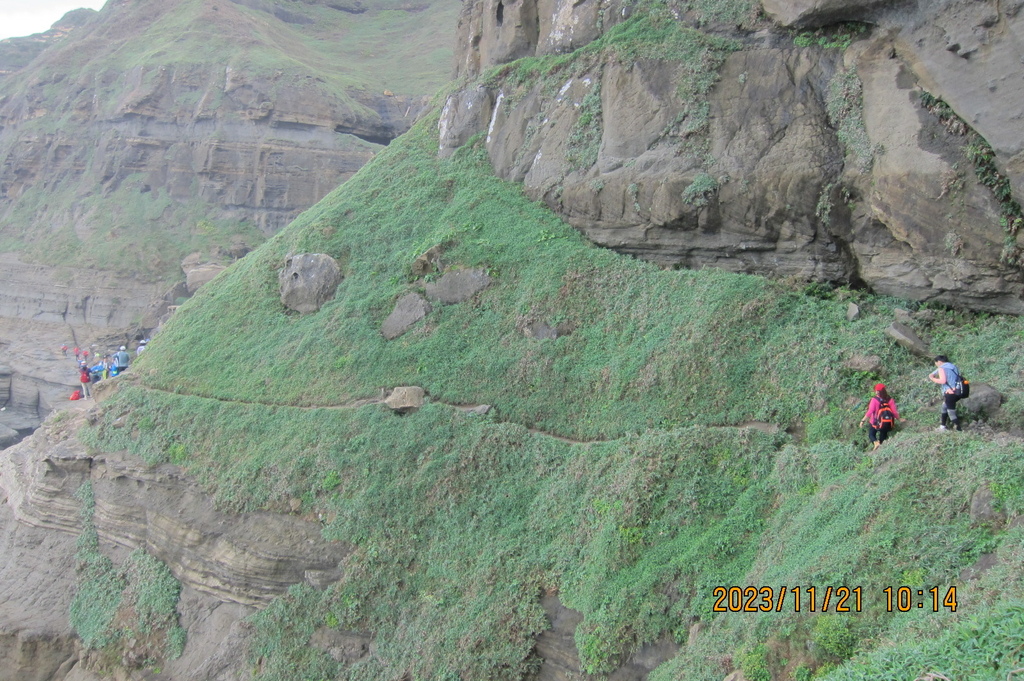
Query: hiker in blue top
x=947 y=376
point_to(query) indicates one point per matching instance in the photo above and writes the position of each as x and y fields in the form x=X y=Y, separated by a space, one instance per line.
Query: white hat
x=122 y=347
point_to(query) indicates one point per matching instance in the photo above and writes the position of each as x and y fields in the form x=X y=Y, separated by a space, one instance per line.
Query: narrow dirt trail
x=358 y=403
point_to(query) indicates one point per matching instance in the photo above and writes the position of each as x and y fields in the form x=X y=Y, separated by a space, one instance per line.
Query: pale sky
x=25 y=17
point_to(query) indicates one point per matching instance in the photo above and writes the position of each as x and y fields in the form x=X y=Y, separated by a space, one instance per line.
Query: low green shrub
x=134 y=605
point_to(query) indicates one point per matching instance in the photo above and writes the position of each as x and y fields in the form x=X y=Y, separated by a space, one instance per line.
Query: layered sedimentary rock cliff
x=228 y=563
x=792 y=145
x=250 y=112
x=134 y=136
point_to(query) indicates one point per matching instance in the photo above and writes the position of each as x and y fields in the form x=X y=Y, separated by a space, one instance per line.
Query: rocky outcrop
x=560 y=658
x=457 y=286
x=37 y=579
x=247 y=559
x=200 y=269
x=72 y=296
x=905 y=337
x=811 y=157
x=37 y=583
x=808 y=13
x=251 y=145
x=409 y=309
x=405 y=399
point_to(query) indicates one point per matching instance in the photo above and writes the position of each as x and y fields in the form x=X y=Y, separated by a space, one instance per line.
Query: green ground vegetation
x=845 y=105
x=132 y=229
x=388 y=45
x=127 y=612
x=690 y=430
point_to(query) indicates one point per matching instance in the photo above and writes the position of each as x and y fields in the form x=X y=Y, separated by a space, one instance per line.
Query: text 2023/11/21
x=830 y=599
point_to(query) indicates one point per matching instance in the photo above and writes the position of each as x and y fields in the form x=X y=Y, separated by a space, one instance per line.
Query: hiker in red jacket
x=881 y=416
x=85 y=378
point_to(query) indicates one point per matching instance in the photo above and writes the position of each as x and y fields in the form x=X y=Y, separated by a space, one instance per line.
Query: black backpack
x=963 y=387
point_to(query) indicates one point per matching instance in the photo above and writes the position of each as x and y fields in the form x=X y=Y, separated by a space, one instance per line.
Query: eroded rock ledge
x=246 y=558
x=770 y=181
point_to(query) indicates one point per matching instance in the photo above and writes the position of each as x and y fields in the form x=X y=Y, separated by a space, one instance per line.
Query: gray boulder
x=427 y=262
x=984 y=400
x=810 y=13
x=202 y=274
x=983 y=508
x=199 y=271
x=308 y=280
x=905 y=336
x=409 y=309
x=405 y=399
x=867 y=363
x=458 y=285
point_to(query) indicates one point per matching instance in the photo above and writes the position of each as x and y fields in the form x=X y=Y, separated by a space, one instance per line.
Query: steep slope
x=154 y=130
x=671 y=432
x=604 y=442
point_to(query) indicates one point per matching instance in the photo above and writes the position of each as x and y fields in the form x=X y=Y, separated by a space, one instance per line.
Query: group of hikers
x=106 y=366
x=882 y=413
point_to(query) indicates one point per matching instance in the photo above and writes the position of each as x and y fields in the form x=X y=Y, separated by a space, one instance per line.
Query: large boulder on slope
x=308 y=281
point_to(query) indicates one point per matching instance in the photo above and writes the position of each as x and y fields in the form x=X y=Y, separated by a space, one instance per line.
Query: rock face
x=802 y=13
x=36 y=584
x=248 y=558
x=72 y=296
x=252 y=145
x=807 y=158
x=308 y=281
x=405 y=399
x=458 y=286
x=227 y=563
x=409 y=309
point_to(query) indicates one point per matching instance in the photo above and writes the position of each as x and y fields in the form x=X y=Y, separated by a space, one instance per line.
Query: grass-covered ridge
x=460 y=523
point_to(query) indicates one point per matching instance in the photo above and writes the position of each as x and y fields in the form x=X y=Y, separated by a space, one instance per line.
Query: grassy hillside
x=616 y=469
x=390 y=44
